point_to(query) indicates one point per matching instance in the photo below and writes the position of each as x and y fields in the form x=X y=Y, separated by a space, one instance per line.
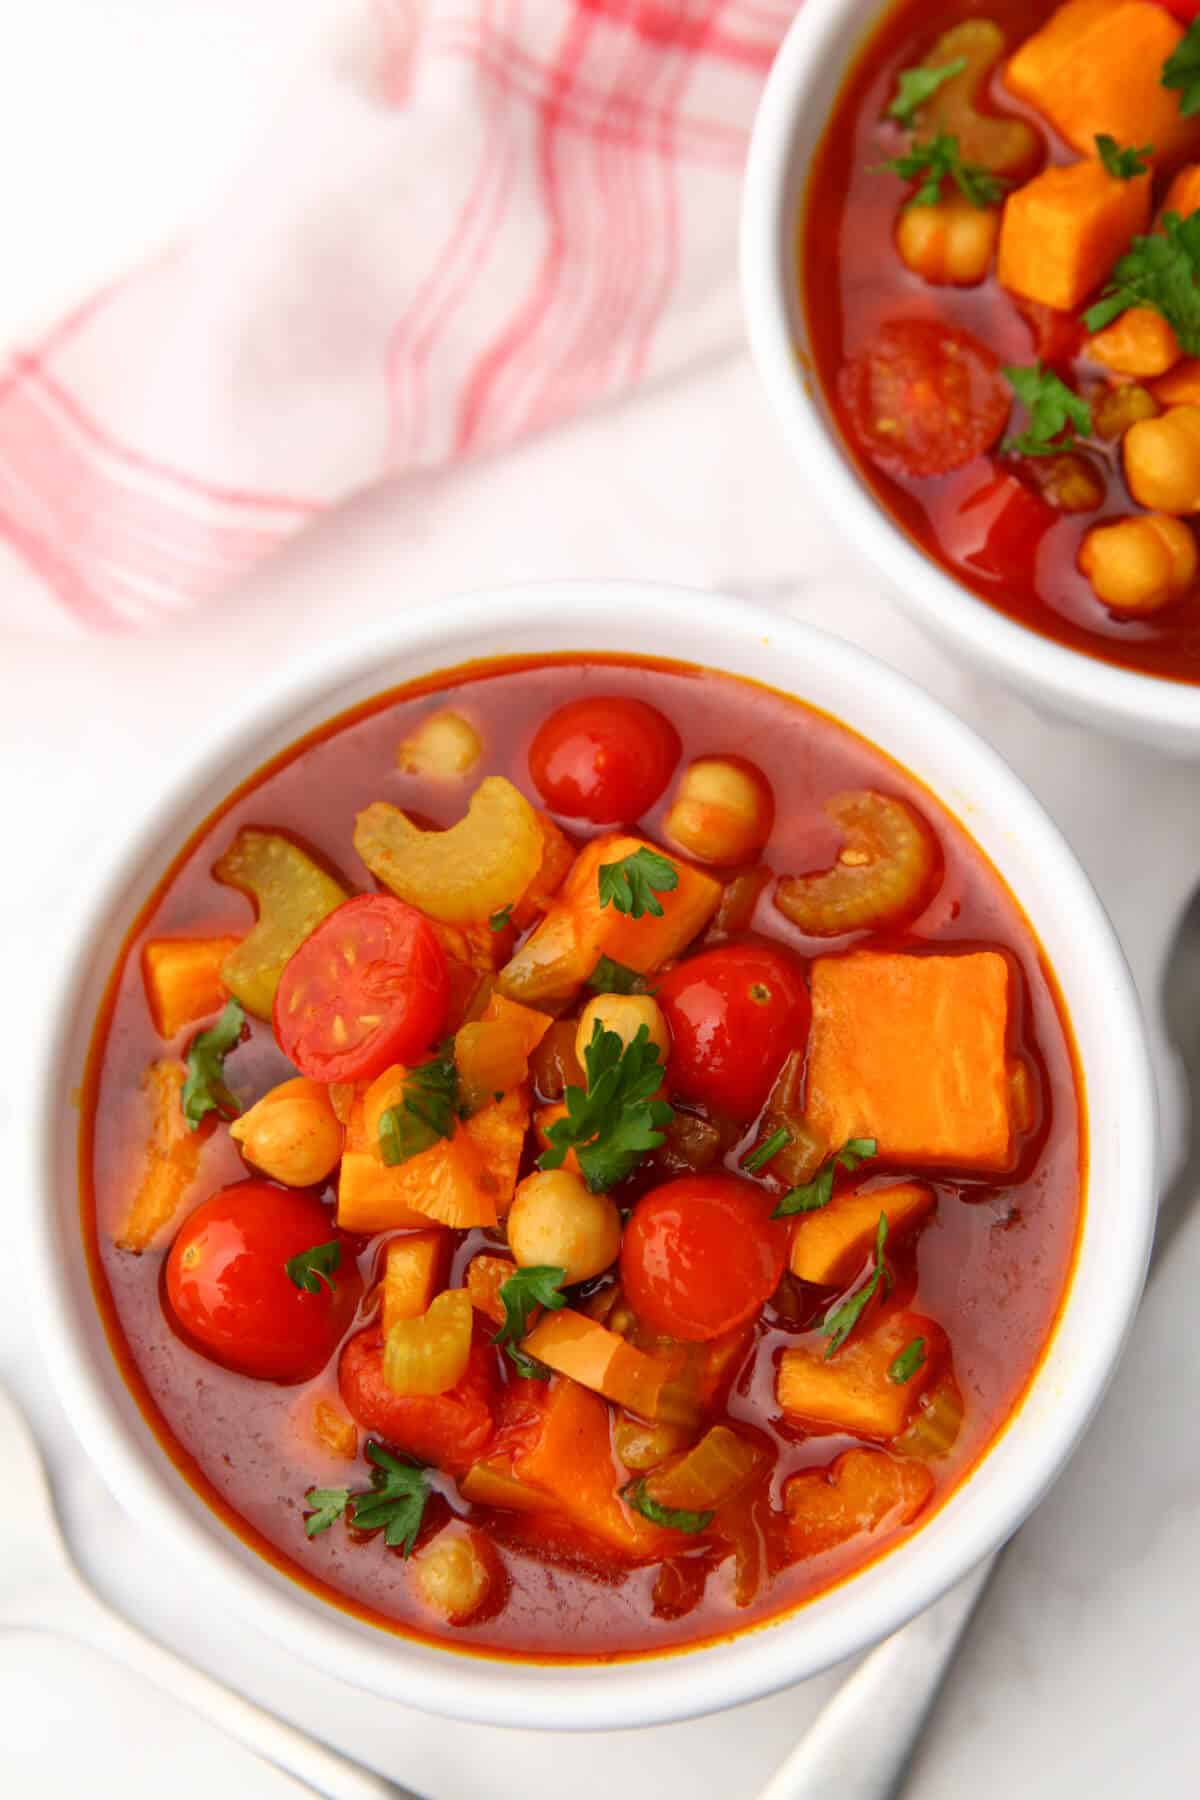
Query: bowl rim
x=828 y=34
x=655 y=1689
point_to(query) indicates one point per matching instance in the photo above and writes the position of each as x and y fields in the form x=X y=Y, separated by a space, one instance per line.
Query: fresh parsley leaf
x=630 y=885
x=1122 y=165
x=525 y=1289
x=312 y=1267
x=328 y=1505
x=1053 y=409
x=915 y=86
x=937 y=161
x=673 y=1517
x=395 y=1500
x=1182 y=70
x=612 y=1122
x=910 y=1359
x=609 y=977
x=840 y=1320
x=819 y=1191
x=499 y=920
x=1161 y=271
x=204 y=1090
x=763 y=1153
x=427 y=1112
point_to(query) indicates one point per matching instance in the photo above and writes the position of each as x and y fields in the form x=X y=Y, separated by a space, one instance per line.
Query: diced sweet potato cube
x=183 y=980
x=1183 y=195
x=830 y=1246
x=560 y=955
x=171 y=1157
x=414 y=1270
x=597 y=1358
x=853 y=1390
x=911 y=1050
x=1096 y=67
x=332 y=1429
x=1062 y=232
x=498 y=1135
x=1180 y=386
x=372 y=1197
x=486 y=1275
x=862 y=1492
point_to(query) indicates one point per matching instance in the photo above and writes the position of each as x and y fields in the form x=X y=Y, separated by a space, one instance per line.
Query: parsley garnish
x=612 y=1122
x=840 y=1320
x=910 y=1359
x=766 y=1150
x=1053 y=408
x=609 y=977
x=1122 y=165
x=312 y=1267
x=204 y=1090
x=498 y=920
x=674 y=1518
x=525 y=1289
x=395 y=1499
x=427 y=1112
x=328 y=1505
x=630 y=885
x=915 y=86
x=1182 y=70
x=819 y=1191
x=1161 y=272
x=939 y=160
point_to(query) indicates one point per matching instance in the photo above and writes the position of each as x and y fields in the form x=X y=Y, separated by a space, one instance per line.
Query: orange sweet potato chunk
x=861 y=1493
x=183 y=980
x=911 y=1050
x=1062 y=232
x=567 y=1455
x=171 y=1157
x=486 y=1275
x=829 y=1247
x=597 y=1358
x=853 y=1391
x=1096 y=66
x=1183 y=195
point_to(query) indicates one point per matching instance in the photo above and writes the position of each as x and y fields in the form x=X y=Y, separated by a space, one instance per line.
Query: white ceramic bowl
x=803 y=85
x=1029 y=852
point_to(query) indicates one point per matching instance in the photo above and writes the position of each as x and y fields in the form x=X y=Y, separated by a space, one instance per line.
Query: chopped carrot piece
x=1139 y=343
x=171 y=1157
x=1062 y=232
x=830 y=1246
x=558 y=853
x=371 y=1198
x=183 y=980
x=414 y=1270
x=1095 y=68
x=492 y=1052
x=1183 y=195
x=486 y=1275
x=1180 y=386
x=334 y=1430
x=946 y=1106
x=489 y=1484
x=862 y=1491
x=564 y=949
x=599 y=1359
x=853 y=1391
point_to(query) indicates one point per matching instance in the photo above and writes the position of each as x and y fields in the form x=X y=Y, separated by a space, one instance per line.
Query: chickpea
x=1162 y=461
x=723 y=810
x=625 y=1014
x=452 y=1575
x=292 y=1133
x=555 y=1221
x=445 y=745
x=1120 y=407
x=950 y=244
x=1139 y=565
x=1140 y=342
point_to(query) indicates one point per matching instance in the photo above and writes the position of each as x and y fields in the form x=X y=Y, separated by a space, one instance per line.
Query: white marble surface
x=1080 y=1670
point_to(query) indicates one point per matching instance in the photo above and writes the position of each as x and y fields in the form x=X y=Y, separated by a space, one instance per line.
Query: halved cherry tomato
x=449 y=1430
x=735 y=1013
x=1183 y=9
x=368 y=988
x=605 y=759
x=701 y=1255
x=231 y=1296
x=925 y=397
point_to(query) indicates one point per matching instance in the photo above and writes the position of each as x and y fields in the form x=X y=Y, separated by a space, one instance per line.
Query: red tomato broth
x=992 y=1265
x=853 y=282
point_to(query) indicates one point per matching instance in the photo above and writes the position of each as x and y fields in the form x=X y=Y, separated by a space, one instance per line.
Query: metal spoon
x=860 y=1745
x=40 y=1584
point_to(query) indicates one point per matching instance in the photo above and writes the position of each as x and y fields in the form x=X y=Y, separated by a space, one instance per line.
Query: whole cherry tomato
x=606 y=759
x=230 y=1293
x=925 y=397
x=367 y=988
x=449 y=1430
x=735 y=1013
x=701 y=1255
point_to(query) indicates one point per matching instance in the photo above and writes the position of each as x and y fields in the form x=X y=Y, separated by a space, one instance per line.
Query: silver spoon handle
x=861 y=1742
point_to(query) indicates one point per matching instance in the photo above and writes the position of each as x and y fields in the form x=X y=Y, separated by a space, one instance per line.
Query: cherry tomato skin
x=605 y=760
x=924 y=397
x=701 y=1255
x=449 y=1430
x=734 y=1013
x=229 y=1293
x=367 y=988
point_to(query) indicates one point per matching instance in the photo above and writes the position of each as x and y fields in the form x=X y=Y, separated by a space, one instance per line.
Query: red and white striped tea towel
x=471 y=219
